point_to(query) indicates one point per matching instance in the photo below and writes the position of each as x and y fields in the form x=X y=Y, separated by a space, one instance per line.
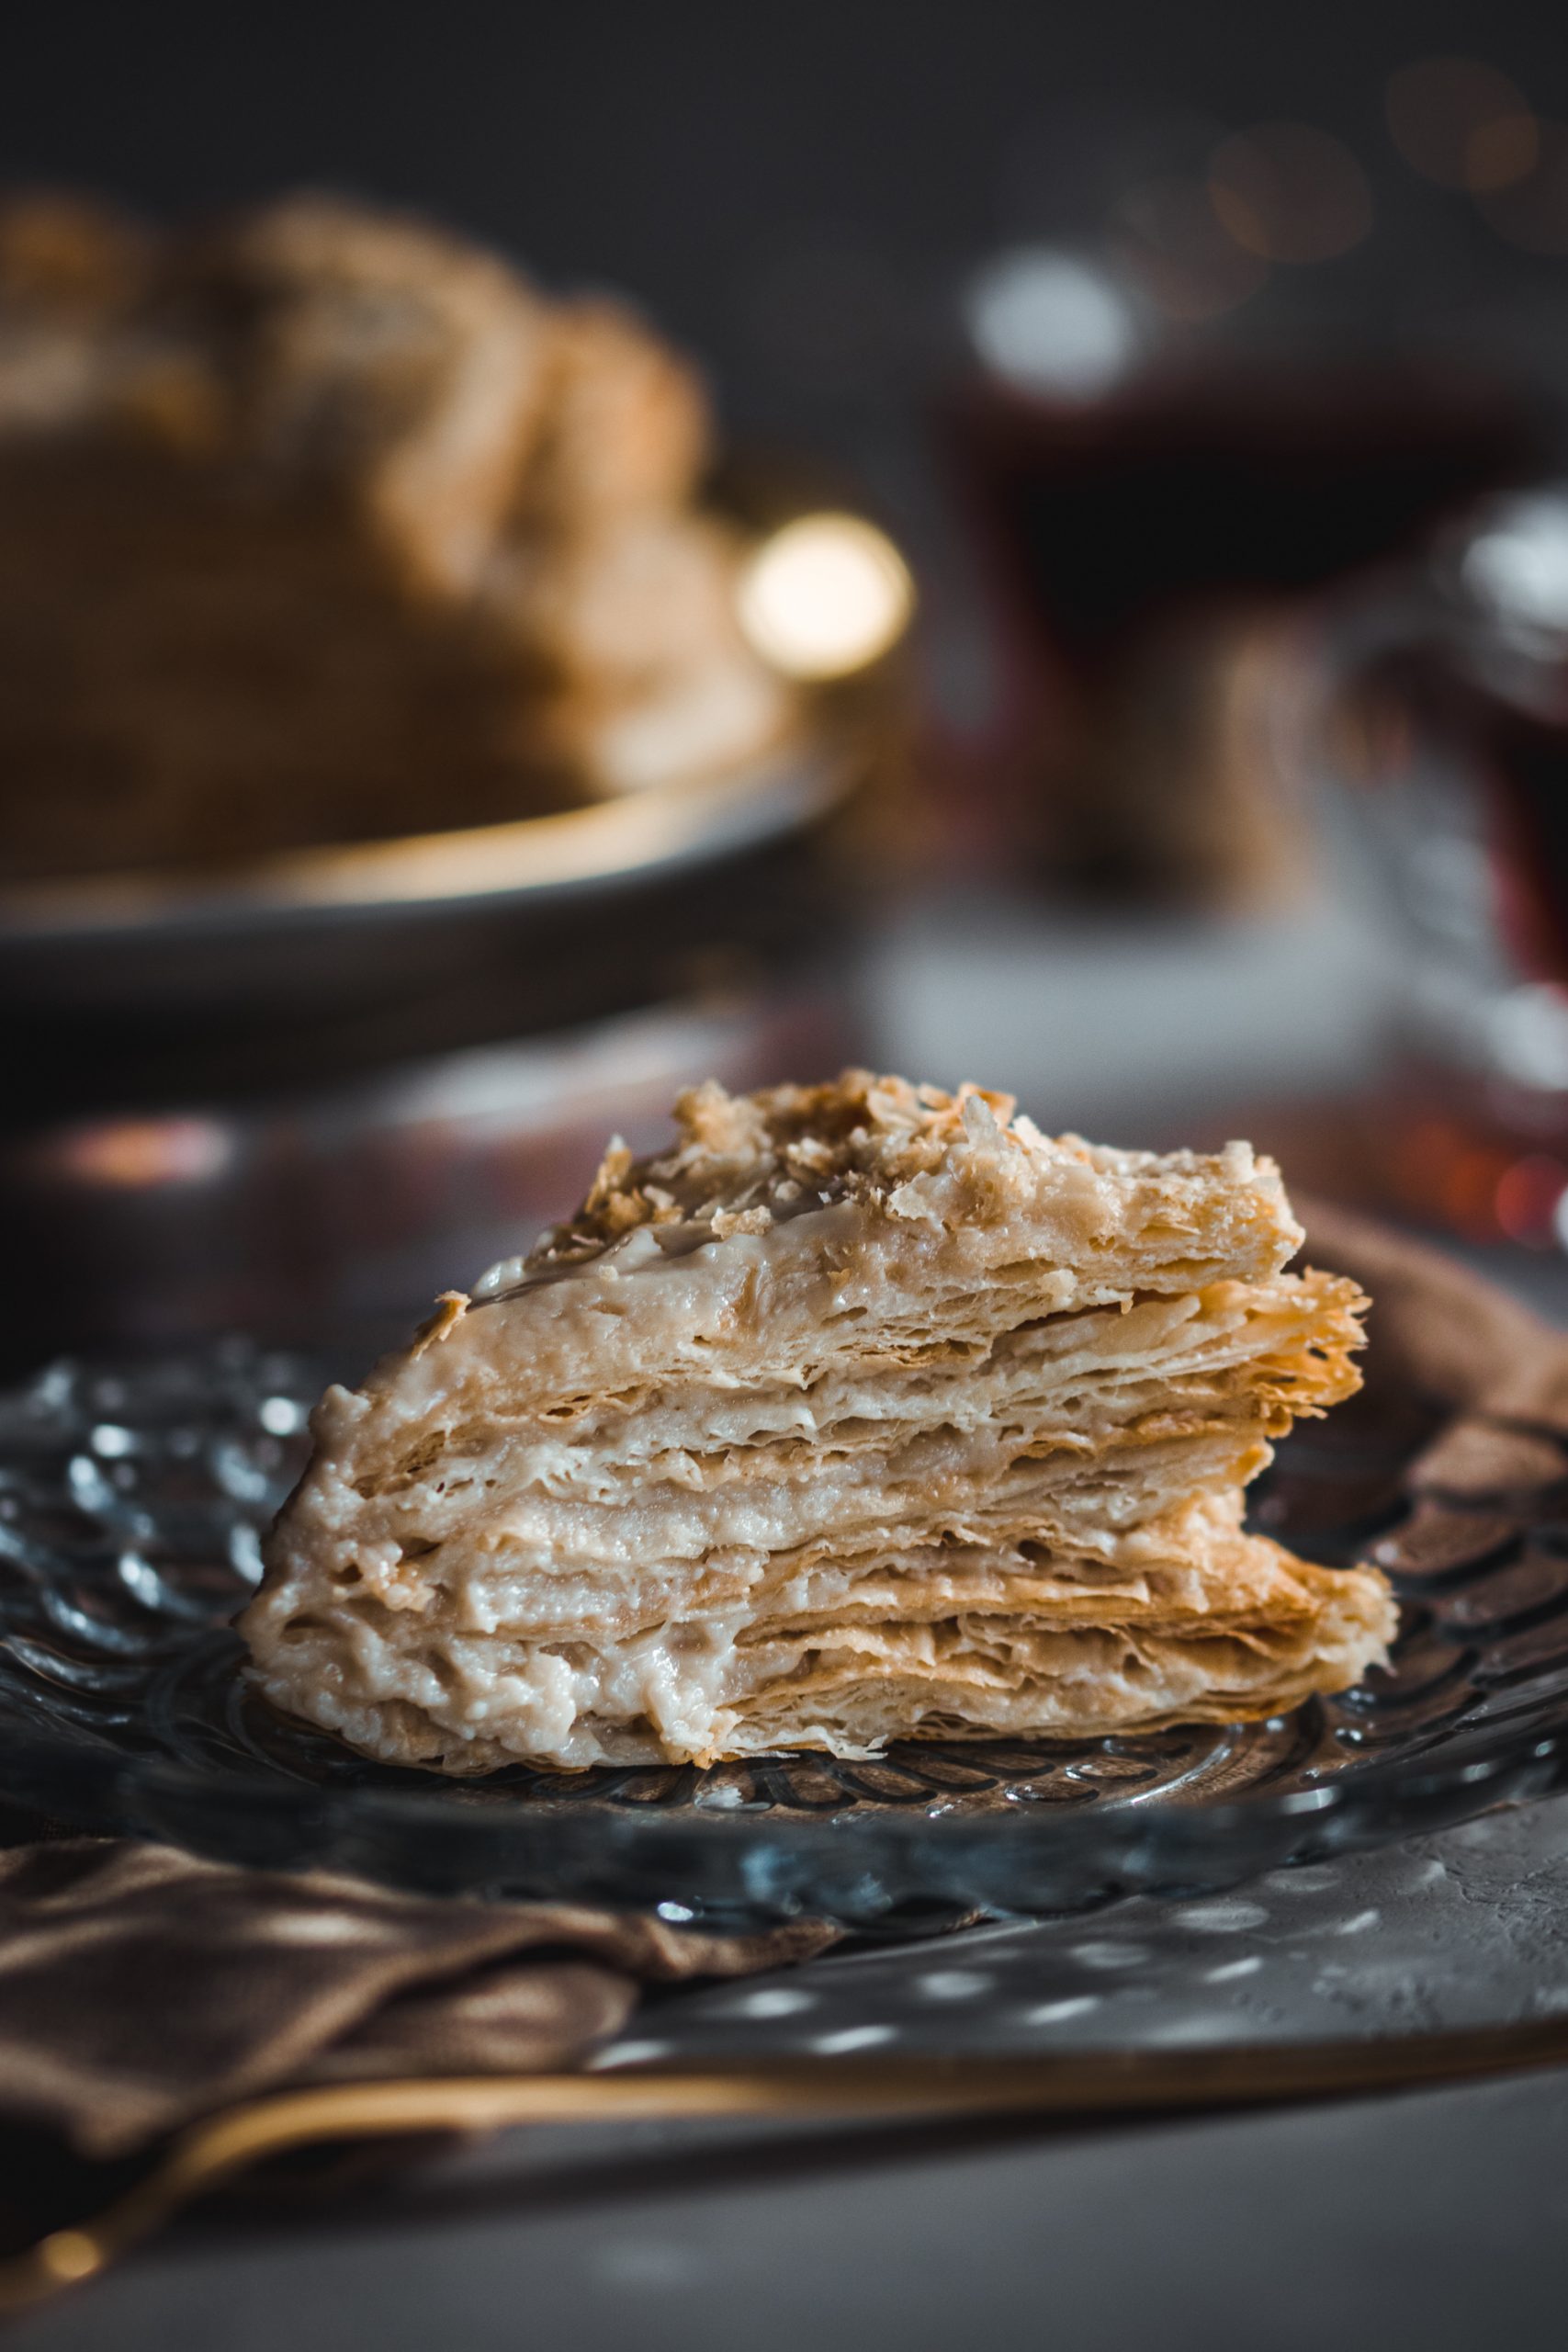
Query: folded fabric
x=140 y=1987
x=866 y=1411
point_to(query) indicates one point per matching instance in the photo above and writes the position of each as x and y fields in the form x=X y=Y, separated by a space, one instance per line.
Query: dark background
x=785 y=186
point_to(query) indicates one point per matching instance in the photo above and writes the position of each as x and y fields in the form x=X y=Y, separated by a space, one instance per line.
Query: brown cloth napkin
x=1442 y=1333
x=140 y=1987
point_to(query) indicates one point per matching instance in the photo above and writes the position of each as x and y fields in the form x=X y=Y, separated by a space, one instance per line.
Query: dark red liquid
x=1518 y=754
x=1134 y=542
x=1270 y=479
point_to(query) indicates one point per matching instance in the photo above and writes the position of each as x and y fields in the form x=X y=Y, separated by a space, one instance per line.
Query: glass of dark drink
x=1154 y=515
x=1451 y=726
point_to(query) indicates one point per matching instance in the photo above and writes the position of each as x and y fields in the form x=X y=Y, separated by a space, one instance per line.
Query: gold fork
x=1079 y=2084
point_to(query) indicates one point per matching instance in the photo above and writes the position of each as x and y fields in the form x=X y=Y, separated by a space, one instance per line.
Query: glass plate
x=130 y=1506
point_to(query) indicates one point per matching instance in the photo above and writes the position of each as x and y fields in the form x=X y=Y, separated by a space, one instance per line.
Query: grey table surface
x=1433 y=2219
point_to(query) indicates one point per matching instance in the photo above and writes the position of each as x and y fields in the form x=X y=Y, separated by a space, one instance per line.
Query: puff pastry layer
x=866 y=1411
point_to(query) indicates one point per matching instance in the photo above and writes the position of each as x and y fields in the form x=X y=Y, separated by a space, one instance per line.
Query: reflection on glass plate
x=131 y=1504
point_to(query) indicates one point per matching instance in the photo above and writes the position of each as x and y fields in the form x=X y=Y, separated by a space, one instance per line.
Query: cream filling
x=688 y=1692
x=681 y=1474
x=1189 y=1605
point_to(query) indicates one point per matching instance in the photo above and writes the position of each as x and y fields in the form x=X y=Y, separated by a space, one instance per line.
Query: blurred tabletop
x=1436 y=2218
x=1126 y=1023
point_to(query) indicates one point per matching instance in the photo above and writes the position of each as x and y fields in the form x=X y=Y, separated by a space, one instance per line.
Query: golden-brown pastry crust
x=866 y=1410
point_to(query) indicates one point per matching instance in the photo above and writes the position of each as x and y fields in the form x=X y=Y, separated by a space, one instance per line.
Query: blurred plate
x=574 y=849
x=158 y=934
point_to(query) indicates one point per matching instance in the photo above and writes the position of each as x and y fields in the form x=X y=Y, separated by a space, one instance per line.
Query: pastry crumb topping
x=741 y=1161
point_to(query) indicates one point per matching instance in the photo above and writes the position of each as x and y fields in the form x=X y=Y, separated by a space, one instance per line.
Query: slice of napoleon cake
x=865 y=1412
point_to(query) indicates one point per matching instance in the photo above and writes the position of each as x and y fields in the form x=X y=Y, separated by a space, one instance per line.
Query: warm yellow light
x=138 y=1155
x=824 y=596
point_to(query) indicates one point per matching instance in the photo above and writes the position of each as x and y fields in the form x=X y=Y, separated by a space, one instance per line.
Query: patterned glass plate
x=130 y=1506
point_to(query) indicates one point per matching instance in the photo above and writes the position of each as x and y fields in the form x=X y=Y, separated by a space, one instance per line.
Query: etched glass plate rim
x=743 y=1859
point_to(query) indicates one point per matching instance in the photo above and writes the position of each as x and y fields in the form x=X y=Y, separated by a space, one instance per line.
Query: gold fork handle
x=1091 y=2083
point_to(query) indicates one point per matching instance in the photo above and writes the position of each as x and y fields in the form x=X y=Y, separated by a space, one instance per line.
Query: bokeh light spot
x=1469 y=1191
x=1515 y=567
x=824 y=596
x=1165 y=234
x=1461 y=123
x=137 y=1155
x=1527 y=1198
x=1496 y=155
x=1289 y=193
x=1533 y=211
x=1050 y=322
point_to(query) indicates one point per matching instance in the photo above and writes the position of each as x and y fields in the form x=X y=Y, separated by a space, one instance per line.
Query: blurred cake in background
x=320 y=524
